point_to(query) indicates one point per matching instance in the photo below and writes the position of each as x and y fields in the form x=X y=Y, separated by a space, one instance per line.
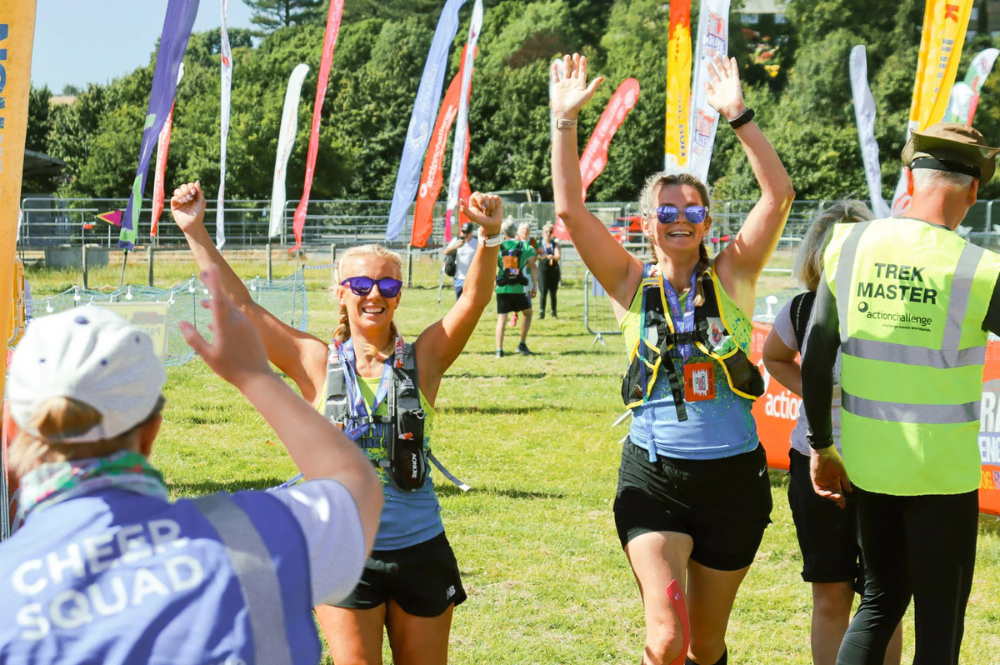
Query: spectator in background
x=513 y=290
x=464 y=248
x=524 y=235
x=549 y=272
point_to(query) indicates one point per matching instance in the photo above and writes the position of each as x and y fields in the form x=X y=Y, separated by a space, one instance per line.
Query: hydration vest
x=117 y=577
x=511 y=272
x=406 y=458
x=710 y=336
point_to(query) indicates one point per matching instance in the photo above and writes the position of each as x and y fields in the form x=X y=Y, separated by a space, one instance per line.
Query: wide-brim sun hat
x=91 y=355
x=953 y=147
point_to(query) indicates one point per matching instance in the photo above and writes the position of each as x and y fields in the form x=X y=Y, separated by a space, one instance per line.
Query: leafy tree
x=273 y=14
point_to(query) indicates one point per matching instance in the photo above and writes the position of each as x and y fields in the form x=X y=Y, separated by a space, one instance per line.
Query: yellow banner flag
x=678 y=86
x=945 y=24
x=17 y=32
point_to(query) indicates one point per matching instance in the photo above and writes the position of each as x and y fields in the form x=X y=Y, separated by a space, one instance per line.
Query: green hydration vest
x=406 y=454
x=711 y=336
x=911 y=298
x=512 y=271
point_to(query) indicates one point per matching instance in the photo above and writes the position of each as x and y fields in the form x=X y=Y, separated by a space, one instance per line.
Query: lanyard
x=682 y=323
x=345 y=353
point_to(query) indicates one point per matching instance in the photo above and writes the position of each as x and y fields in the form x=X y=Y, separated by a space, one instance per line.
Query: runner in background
x=514 y=289
x=411 y=583
x=105 y=569
x=694 y=497
x=549 y=273
x=827 y=535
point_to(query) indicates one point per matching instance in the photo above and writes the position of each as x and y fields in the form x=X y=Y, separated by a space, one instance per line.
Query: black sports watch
x=819 y=443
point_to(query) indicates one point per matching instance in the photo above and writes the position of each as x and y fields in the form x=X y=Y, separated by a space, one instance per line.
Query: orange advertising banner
x=678 y=85
x=945 y=24
x=17 y=33
x=778 y=409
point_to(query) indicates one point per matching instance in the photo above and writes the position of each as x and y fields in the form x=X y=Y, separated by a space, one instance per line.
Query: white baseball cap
x=92 y=355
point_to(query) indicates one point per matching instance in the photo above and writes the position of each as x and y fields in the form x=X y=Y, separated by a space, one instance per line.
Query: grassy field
x=535 y=538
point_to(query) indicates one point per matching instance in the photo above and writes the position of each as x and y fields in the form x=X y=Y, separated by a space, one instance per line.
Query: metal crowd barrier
x=597 y=313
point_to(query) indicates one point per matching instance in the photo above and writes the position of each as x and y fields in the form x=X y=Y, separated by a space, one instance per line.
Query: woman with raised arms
x=381 y=390
x=693 y=495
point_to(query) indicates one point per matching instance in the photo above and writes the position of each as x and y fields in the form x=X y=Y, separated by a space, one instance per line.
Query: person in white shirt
x=464 y=249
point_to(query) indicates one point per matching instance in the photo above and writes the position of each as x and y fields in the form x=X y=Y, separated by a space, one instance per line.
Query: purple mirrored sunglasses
x=362 y=286
x=670 y=214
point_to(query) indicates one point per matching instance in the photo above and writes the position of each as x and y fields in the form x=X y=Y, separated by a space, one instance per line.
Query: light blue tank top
x=721 y=427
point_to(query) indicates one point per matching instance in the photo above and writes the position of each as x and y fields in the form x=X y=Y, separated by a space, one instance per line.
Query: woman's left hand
x=486 y=210
x=725 y=93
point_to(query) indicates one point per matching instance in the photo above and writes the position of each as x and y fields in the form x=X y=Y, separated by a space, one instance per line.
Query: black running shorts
x=512 y=302
x=422 y=579
x=828 y=536
x=723 y=504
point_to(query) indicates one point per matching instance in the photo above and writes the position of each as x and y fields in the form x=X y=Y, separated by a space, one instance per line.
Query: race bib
x=699 y=382
x=510 y=264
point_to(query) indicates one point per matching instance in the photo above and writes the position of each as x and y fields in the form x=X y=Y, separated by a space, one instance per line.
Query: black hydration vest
x=406 y=458
x=511 y=270
x=710 y=336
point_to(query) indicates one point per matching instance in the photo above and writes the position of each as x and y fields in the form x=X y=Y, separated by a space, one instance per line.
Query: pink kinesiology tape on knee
x=677 y=600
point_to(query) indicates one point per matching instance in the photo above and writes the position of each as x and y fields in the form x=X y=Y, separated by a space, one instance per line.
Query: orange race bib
x=510 y=263
x=699 y=382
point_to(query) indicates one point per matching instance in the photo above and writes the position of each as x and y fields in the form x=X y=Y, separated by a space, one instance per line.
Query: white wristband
x=491 y=241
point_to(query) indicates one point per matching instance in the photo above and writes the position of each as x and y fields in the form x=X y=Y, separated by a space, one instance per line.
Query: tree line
x=795 y=72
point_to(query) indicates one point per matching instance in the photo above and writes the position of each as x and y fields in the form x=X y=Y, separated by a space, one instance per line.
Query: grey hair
x=931 y=178
x=523 y=226
x=509 y=227
x=809 y=259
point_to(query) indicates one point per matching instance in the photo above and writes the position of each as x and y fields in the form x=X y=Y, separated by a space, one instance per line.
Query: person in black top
x=549 y=274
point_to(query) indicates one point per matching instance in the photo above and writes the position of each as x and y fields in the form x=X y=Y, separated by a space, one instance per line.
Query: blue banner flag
x=173 y=43
x=422 y=121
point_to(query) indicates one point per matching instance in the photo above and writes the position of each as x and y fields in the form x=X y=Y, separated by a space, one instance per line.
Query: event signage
x=173 y=42
x=965 y=95
x=431 y=178
x=595 y=155
x=227 y=86
x=678 y=86
x=418 y=133
x=159 y=172
x=713 y=39
x=864 y=113
x=460 y=146
x=286 y=139
x=778 y=409
x=945 y=24
x=329 y=44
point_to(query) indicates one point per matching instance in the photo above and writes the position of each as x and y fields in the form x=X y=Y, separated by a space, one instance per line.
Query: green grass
x=535 y=539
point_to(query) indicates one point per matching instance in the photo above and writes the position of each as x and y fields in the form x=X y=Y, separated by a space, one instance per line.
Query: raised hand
x=236 y=352
x=725 y=93
x=486 y=210
x=187 y=205
x=568 y=89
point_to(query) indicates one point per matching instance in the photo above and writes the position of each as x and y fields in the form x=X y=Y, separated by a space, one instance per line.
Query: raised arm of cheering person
x=303 y=356
x=620 y=272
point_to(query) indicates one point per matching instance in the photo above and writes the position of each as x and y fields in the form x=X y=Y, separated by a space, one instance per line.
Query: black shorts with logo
x=827 y=535
x=723 y=504
x=422 y=579
x=512 y=302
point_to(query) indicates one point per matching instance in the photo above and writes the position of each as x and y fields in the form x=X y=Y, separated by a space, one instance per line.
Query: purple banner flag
x=173 y=43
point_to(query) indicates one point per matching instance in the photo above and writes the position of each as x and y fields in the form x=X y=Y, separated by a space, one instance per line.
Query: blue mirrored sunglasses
x=693 y=214
x=362 y=286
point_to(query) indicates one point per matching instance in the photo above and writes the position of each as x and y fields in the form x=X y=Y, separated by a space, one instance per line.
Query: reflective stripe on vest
x=257 y=576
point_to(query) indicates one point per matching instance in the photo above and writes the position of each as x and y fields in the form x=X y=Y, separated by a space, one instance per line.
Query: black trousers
x=548 y=284
x=922 y=547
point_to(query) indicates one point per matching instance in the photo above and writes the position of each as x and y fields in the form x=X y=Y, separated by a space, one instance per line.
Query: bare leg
x=354 y=636
x=525 y=325
x=711 y=594
x=830 y=617
x=418 y=640
x=658 y=559
x=501 y=324
x=894 y=652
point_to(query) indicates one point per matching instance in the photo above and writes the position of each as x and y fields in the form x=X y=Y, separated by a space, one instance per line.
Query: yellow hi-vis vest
x=911 y=298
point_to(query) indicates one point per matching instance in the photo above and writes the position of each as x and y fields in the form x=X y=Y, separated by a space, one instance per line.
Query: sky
x=93 y=41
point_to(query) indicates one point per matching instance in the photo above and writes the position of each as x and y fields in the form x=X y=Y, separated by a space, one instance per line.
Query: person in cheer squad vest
x=909 y=304
x=105 y=569
x=693 y=496
x=381 y=390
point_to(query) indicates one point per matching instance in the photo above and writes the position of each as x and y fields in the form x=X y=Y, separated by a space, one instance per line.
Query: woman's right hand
x=568 y=89
x=187 y=205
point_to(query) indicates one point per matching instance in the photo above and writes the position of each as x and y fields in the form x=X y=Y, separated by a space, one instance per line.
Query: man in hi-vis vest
x=910 y=303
